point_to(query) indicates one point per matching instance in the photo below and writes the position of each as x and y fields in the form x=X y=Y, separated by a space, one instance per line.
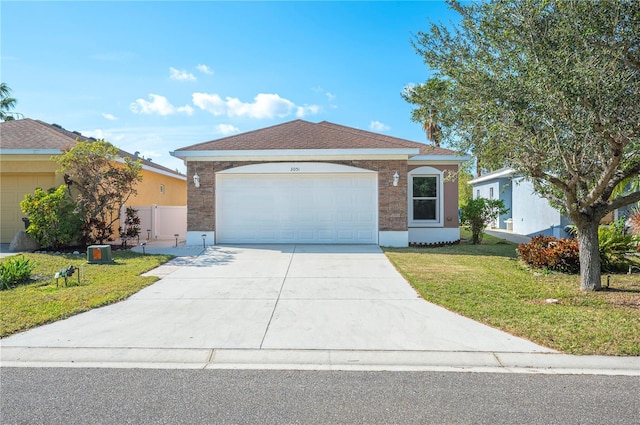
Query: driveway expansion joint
x=275 y=305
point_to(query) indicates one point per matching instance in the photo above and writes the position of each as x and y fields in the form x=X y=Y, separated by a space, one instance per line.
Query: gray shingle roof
x=32 y=134
x=300 y=134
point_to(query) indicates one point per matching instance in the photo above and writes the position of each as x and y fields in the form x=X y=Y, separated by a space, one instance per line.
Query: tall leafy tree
x=550 y=88
x=102 y=182
x=7 y=104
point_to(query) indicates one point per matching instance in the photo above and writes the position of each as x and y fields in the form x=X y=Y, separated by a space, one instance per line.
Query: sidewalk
x=508 y=236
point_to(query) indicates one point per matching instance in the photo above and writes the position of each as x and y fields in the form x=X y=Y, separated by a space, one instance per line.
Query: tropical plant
x=614 y=246
x=131 y=225
x=478 y=213
x=7 y=104
x=53 y=218
x=15 y=271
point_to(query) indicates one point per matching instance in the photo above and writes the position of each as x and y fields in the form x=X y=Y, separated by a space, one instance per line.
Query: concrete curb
x=339 y=360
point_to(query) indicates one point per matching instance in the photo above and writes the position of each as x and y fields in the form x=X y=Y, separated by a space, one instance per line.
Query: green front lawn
x=487 y=283
x=41 y=301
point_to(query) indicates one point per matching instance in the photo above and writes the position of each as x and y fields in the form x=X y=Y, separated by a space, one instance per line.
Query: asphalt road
x=144 y=396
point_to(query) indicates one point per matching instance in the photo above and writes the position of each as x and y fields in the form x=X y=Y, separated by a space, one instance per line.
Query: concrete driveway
x=285 y=297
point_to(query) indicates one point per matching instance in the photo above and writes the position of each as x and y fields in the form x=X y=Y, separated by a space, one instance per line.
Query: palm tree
x=432 y=128
x=7 y=104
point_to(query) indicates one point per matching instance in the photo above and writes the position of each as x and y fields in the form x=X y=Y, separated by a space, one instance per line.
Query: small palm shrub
x=614 y=244
x=547 y=252
x=15 y=271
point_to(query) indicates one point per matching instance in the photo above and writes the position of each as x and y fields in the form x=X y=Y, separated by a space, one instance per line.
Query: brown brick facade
x=392 y=200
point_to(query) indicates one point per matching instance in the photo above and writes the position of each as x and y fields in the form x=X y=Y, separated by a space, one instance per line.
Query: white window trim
x=426 y=171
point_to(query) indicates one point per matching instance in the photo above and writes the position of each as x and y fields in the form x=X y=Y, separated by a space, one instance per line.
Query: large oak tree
x=550 y=88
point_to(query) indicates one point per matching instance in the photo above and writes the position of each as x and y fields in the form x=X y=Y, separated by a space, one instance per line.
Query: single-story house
x=26 y=148
x=529 y=214
x=314 y=183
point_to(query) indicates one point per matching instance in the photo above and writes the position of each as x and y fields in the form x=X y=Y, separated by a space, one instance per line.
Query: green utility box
x=99 y=254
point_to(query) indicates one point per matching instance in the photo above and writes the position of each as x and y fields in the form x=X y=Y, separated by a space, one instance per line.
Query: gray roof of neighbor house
x=498 y=174
x=300 y=134
x=37 y=137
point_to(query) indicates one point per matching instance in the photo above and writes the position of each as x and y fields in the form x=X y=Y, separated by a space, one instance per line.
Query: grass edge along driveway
x=488 y=284
x=41 y=301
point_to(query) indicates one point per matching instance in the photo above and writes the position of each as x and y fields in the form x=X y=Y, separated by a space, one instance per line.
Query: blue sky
x=157 y=76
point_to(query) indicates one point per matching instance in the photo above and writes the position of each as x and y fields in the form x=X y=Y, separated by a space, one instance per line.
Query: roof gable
x=305 y=135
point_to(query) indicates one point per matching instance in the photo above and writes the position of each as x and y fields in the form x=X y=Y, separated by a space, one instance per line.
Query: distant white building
x=529 y=214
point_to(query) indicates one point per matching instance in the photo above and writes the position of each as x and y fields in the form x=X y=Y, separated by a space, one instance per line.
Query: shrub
x=477 y=213
x=131 y=225
x=614 y=245
x=53 y=219
x=547 y=252
x=634 y=221
x=15 y=271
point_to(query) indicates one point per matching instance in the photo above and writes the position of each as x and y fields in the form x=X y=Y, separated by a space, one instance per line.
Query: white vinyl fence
x=159 y=222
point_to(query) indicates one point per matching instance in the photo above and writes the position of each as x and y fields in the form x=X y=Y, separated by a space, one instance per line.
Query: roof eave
x=295 y=154
x=5 y=151
x=508 y=172
x=439 y=159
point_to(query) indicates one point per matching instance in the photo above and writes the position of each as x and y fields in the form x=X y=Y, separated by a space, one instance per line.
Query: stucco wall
x=532 y=215
x=159 y=189
x=19 y=175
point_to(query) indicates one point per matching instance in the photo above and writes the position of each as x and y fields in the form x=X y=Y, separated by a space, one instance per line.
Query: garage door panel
x=301 y=208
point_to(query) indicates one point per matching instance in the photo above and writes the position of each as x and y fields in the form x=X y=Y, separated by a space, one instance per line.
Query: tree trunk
x=590 y=272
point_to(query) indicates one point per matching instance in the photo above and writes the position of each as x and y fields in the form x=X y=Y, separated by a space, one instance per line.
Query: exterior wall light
x=396 y=178
x=196 y=180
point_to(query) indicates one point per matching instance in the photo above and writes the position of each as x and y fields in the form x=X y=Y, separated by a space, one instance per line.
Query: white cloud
x=210 y=102
x=265 y=105
x=181 y=75
x=378 y=126
x=110 y=117
x=226 y=129
x=330 y=96
x=159 y=105
x=302 y=111
x=204 y=69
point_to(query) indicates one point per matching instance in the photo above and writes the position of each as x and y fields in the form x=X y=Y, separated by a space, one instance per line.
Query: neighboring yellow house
x=26 y=147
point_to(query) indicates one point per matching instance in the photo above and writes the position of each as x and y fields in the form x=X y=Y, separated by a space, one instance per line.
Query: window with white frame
x=425 y=198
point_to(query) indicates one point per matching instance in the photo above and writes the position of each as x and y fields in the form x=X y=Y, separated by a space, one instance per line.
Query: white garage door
x=296 y=208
